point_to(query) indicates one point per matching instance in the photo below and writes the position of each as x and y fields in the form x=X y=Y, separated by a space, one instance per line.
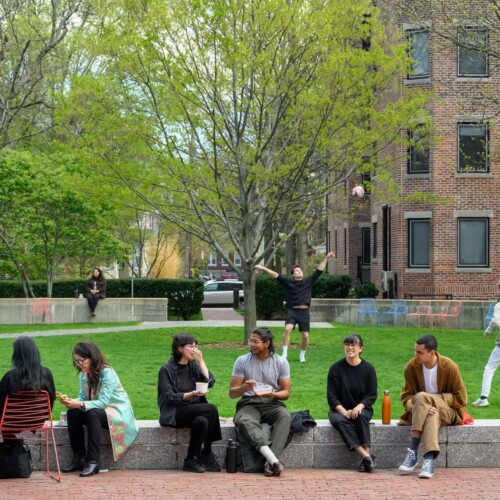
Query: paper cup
x=202 y=387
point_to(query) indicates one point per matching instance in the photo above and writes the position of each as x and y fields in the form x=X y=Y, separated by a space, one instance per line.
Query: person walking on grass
x=493 y=362
x=433 y=395
x=299 y=291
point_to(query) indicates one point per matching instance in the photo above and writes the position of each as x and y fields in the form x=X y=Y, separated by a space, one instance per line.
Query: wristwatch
x=82 y=406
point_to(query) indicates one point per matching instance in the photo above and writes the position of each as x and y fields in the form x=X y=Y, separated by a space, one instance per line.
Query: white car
x=220 y=293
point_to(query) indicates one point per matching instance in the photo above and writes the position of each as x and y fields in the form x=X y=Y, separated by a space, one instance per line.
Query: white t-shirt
x=430 y=379
x=266 y=371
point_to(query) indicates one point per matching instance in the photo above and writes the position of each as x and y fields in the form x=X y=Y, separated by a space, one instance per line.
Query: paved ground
x=460 y=484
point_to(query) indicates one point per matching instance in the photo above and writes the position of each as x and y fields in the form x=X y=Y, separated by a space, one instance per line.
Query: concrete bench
x=159 y=447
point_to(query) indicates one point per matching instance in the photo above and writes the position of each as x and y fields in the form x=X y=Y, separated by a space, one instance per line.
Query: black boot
x=90 y=469
x=75 y=465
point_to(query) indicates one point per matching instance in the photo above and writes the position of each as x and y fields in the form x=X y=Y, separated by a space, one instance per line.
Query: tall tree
x=258 y=108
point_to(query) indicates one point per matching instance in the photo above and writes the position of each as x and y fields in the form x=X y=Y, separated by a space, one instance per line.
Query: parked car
x=229 y=275
x=220 y=293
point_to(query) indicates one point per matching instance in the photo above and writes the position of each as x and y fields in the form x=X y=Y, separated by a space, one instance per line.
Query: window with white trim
x=473 y=242
x=419 y=53
x=212 y=259
x=419 y=243
x=473 y=147
x=472 y=49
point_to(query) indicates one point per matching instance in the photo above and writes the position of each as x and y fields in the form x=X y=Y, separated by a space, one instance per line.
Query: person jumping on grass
x=299 y=290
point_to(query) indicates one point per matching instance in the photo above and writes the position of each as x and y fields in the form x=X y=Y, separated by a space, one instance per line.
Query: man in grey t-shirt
x=262 y=379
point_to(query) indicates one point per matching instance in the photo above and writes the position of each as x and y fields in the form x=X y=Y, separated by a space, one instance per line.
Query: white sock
x=285 y=351
x=302 y=354
x=268 y=454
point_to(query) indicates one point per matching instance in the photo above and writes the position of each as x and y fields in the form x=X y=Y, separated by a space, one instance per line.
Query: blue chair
x=368 y=307
x=397 y=311
x=489 y=315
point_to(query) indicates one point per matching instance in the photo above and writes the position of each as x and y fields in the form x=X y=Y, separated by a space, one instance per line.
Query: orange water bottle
x=386 y=408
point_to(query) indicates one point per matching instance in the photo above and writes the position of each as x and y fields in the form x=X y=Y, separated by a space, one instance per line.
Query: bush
x=270 y=295
x=366 y=290
x=184 y=296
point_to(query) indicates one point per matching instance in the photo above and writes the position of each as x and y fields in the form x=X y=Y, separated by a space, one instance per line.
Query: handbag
x=15 y=459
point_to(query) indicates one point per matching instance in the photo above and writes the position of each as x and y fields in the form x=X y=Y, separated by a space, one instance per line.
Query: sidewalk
x=293 y=484
x=213 y=317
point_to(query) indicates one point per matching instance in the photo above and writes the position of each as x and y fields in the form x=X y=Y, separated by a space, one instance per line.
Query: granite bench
x=159 y=447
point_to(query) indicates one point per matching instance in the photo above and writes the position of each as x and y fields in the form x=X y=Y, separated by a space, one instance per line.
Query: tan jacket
x=450 y=385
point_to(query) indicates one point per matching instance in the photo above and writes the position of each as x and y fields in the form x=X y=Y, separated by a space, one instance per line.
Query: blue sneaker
x=410 y=462
x=427 y=470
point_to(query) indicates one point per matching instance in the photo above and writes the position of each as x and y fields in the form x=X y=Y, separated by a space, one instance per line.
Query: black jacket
x=169 y=397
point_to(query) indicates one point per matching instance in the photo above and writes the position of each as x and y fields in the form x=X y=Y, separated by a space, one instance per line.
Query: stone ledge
x=159 y=447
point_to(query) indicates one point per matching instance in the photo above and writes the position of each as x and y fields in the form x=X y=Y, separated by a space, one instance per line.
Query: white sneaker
x=481 y=402
x=302 y=360
x=427 y=470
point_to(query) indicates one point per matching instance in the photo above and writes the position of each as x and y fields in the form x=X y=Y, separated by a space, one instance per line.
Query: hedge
x=184 y=296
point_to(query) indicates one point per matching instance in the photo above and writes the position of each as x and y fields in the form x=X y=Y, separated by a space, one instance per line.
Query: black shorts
x=299 y=317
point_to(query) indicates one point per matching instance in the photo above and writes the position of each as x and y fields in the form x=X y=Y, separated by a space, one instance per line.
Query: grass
x=44 y=327
x=137 y=357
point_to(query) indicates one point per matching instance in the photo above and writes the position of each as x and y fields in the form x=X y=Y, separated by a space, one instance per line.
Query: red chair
x=424 y=309
x=443 y=309
x=452 y=314
x=41 y=306
x=30 y=411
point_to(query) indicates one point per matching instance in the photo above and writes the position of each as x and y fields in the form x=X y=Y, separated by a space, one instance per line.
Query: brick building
x=439 y=234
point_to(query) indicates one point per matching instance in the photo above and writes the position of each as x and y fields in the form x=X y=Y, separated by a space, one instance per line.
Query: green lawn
x=43 y=327
x=137 y=356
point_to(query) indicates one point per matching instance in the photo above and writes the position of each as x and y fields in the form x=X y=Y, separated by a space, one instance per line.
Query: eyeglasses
x=80 y=362
x=191 y=346
x=254 y=341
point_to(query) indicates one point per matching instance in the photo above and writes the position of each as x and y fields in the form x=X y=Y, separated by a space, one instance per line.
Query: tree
x=30 y=35
x=256 y=108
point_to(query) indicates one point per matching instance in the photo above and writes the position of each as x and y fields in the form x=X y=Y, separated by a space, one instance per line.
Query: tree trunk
x=250 y=316
x=302 y=250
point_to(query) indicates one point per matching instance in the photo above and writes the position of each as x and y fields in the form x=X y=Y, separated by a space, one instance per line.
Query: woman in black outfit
x=352 y=390
x=96 y=289
x=27 y=373
x=181 y=405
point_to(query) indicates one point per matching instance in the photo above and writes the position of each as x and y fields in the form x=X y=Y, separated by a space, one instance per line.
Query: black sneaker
x=192 y=465
x=367 y=464
x=209 y=463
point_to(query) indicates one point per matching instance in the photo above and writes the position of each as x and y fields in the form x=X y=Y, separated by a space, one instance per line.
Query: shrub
x=366 y=290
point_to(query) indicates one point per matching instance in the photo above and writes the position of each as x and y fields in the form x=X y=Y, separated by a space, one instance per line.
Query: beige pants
x=427 y=424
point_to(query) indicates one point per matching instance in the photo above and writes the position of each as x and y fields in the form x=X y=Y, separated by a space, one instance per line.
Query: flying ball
x=358 y=191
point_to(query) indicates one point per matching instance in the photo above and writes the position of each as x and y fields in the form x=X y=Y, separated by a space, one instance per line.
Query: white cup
x=63 y=418
x=202 y=387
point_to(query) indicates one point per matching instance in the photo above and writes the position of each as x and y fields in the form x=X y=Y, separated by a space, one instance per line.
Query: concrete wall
x=112 y=310
x=158 y=447
x=471 y=316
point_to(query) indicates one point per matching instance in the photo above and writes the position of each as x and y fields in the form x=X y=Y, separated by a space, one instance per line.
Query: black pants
x=92 y=301
x=203 y=420
x=95 y=420
x=354 y=432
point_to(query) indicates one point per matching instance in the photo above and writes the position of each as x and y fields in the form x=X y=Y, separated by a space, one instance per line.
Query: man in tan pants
x=433 y=395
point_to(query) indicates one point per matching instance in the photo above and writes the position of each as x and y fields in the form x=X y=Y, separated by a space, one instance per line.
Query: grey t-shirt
x=267 y=371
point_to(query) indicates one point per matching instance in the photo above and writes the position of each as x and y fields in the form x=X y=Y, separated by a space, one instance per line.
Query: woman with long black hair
x=27 y=373
x=96 y=289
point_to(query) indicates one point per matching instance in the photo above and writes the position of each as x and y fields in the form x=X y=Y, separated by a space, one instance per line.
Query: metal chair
x=424 y=309
x=30 y=411
x=368 y=307
x=489 y=315
x=397 y=311
x=453 y=313
x=41 y=305
x=443 y=309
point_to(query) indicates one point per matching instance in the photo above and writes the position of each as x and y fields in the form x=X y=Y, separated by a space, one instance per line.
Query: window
x=366 y=246
x=345 y=246
x=418 y=151
x=237 y=259
x=335 y=243
x=473 y=242
x=472 y=52
x=375 y=249
x=473 y=147
x=212 y=259
x=419 y=53
x=418 y=243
